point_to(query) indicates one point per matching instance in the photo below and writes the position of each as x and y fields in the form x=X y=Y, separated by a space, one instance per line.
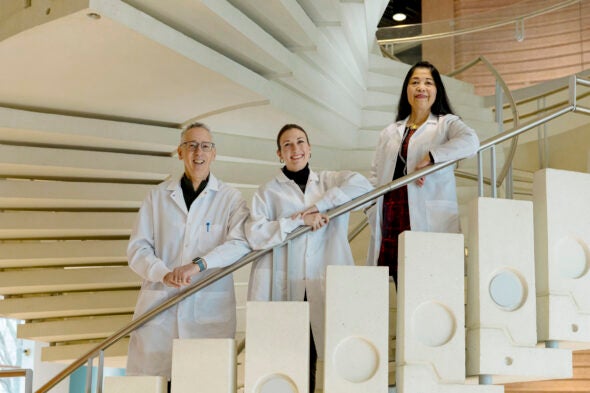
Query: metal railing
x=515 y=14
x=502 y=91
x=98 y=350
x=17 y=372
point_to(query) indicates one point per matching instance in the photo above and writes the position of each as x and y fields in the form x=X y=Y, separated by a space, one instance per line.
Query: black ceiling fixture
x=411 y=8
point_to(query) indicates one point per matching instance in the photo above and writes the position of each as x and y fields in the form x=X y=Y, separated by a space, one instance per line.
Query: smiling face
x=421 y=90
x=196 y=164
x=294 y=149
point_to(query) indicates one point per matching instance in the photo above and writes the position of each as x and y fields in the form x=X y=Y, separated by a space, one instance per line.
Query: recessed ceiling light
x=399 y=17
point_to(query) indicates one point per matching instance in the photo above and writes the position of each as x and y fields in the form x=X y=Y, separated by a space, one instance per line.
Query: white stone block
x=501 y=269
x=135 y=384
x=504 y=362
x=501 y=307
x=203 y=365
x=357 y=316
x=415 y=378
x=431 y=315
x=562 y=247
x=277 y=347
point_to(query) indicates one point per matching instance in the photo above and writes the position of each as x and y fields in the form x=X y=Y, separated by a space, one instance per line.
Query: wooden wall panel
x=554 y=45
x=578 y=384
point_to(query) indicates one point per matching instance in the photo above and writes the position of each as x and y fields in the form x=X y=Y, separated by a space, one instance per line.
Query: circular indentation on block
x=276 y=383
x=356 y=359
x=508 y=361
x=571 y=257
x=434 y=324
x=575 y=328
x=507 y=290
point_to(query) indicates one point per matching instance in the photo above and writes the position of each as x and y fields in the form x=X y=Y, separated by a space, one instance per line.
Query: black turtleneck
x=299 y=177
x=188 y=192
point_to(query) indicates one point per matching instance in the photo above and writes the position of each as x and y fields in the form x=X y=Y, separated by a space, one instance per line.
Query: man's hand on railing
x=181 y=276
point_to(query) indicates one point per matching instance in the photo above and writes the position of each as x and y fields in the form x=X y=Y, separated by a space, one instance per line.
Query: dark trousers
x=313 y=361
x=313 y=357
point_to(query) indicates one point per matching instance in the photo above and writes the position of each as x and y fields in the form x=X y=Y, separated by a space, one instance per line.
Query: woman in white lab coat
x=299 y=196
x=425 y=132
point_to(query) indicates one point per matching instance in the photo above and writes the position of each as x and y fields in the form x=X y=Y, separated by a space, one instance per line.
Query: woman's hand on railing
x=426 y=161
x=313 y=218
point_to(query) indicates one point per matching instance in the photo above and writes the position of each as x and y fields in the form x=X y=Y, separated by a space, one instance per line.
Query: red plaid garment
x=396 y=216
x=396 y=219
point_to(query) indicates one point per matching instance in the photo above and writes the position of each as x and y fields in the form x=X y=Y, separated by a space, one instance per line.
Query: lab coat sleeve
x=462 y=141
x=347 y=185
x=235 y=245
x=377 y=158
x=261 y=230
x=141 y=250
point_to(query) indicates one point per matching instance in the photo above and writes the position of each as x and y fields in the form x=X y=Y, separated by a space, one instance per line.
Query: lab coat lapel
x=176 y=194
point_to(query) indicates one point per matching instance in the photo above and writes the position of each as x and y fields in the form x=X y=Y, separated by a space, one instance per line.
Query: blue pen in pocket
x=208 y=224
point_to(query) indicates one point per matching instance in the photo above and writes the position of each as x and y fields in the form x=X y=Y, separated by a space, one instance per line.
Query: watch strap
x=200 y=262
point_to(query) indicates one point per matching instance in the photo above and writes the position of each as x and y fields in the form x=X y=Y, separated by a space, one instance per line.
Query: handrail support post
x=89 y=375
x=493 y=179
x=100 y=372
x=480 y=174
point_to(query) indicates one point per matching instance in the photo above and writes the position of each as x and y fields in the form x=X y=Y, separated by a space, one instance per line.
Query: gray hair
x=195 y=124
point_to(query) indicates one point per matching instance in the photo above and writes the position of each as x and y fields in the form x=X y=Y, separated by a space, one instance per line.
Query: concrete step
x=69 y=304
x=25 y=225
x=66 y=164
x=378 y=100
x=18 y=282
x=73 y=329
x=61 y=195
x=379 y=63
x=63 y=253
x=385 y=83
x=115 y=355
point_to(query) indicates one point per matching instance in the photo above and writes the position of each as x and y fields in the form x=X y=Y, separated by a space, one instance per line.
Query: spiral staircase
x=93 y=95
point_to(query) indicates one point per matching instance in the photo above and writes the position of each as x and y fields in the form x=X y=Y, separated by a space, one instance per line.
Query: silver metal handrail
x=515 y=116
x=17 y=372
x=333 y=213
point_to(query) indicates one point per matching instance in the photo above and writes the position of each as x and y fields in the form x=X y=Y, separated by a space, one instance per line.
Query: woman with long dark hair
x=425 y=132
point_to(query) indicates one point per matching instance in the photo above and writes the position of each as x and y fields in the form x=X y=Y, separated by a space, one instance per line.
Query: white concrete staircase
x=85 y=134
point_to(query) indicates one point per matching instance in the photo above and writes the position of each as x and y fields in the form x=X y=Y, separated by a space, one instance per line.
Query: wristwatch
x=200 y=262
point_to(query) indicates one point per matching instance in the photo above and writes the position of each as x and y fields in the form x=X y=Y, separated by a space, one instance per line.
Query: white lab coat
x=433 y=207
x=270 y=223
x=165 y=236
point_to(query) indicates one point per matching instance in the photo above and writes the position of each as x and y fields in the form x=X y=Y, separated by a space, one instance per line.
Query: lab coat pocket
x=213 y=307
x=210 y=235
x=147 y=300
x=442 y=216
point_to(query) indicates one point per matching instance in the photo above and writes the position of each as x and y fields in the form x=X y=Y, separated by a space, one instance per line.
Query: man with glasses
x=187 y=227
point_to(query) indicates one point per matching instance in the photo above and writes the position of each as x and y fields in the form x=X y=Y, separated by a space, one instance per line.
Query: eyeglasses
x=192 y=146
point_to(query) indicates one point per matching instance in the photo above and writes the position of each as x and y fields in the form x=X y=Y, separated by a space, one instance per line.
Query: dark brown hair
x=287 y=127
